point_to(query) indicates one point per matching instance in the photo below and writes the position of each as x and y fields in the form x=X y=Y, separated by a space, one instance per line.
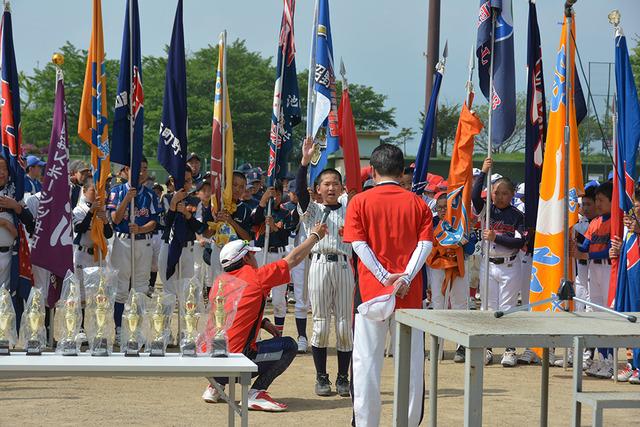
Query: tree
x=634 y=58
x=516 y=142
x=446 y=124
x=401 y=138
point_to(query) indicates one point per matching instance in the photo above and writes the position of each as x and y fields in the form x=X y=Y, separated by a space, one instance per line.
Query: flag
x=324 y=90
x=535 y=122
x=21 y=278
x=54 y=227
x=172 y=144
x=625 y=175
x=129 y=99
x=452 y=232
x=424 y=149
x=92 y=122
x=286 y=98
x=222 y=197
x=548 y=255
x=349 y=143
x=503 y=99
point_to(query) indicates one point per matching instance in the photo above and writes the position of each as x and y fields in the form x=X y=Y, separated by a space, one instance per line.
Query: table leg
x=403 y=363
x=433 y=388
x=245 y=381
x=232 y=401
x=473 y=369
x=544 y=389
x=597 y=417
x=578 y=348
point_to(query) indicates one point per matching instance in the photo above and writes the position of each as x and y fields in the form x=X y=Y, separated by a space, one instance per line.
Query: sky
x=382 y=42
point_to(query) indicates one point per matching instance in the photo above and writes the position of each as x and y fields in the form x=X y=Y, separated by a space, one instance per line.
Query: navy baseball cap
x=34 y=161
x=193 y=156
x=245 y=167
x=610 y=177
x=253 y=175
x=590 y=184
x=292 y=186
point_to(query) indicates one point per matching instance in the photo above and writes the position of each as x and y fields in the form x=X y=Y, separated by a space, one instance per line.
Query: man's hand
x=223 y=216
x=402 y=286
x=616 y=245
x=102 y=214
x=178 y=196
x=271 y=223
x=487 y=165
x=134 y=228
x=269 y=193
x=10 y=204
x=131 y=194
x=489 y=235
x=271 y=328
x=307 y=151
x=320 y=230
x=392 y=279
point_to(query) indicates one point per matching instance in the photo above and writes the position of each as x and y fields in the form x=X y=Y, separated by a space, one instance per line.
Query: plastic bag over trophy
x=100 y=290
x=133 y=328
x=8 y=334
x=191 y=306
x=33 y=336
x=159 y=320
x=68 y=318
x=223 y=305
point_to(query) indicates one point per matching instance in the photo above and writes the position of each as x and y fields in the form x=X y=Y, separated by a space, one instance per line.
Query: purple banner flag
x=53 y=240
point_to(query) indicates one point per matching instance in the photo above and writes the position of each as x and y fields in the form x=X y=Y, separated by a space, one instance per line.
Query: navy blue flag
x=503 y=99
x=424 y=149
x=130 y=99
x=286 y=98
x=535 y=122
x=579 y=100
x=172 y=146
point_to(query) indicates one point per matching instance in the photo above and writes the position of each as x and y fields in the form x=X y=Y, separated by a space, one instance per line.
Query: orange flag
x=548 y=255
x=452 y=232
x=92 y=122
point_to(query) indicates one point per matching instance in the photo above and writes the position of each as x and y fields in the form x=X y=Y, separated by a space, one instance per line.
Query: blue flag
x=172 y=146
x=326 y=106
x=286 y=98
x=424 y=149
x=130 y=98
x=503 y=99
x=535 y=122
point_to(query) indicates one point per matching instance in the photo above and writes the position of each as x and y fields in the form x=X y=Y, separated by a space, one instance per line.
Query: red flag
x=349 y=143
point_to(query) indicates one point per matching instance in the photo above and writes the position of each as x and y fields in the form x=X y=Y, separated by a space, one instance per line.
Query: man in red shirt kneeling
x=273 y=356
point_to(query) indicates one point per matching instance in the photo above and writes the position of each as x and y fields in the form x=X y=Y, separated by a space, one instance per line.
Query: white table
x=236 y=366
x=477 y=330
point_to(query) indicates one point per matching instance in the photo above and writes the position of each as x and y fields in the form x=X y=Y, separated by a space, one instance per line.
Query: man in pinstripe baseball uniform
x=331 y=279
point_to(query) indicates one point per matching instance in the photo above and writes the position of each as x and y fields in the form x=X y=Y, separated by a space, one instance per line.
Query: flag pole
x=223 y=123
x=487 y=243
x=568 y=11
x=469 y=85
x=132 y=207
x=311 y=94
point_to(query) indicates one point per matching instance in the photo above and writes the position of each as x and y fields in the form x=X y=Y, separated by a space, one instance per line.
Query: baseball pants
x=458 y=291
x=300 y=290
x=156 y=244
x=368 y=355
x=504 y=284
x=599 y=277
x=278 y=293
x=120 y=259
x=581 y=285
x=184 y=269
x=331 y=287
x=526 y=263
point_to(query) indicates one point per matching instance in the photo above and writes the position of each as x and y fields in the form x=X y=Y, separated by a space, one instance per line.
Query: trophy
x=7 y=319
x=34 y=323
x=191 y=317
x=159 y=321
x=132 y=319
x=219 y=344
x=99 y=345
x=71 y=321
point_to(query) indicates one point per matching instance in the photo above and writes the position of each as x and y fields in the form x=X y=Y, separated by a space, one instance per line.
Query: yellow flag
x=548 y=256
x=92 y=122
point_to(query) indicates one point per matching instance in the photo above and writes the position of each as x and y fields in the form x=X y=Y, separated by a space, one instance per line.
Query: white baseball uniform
x=582 y=268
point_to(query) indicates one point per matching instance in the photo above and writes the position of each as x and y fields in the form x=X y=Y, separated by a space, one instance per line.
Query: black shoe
x=323 y=385
x=342 y=386
x=459 y=356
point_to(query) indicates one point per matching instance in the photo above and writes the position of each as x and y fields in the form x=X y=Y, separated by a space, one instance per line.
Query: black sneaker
x=342 y=386
x=323 y=385
x=459 y=356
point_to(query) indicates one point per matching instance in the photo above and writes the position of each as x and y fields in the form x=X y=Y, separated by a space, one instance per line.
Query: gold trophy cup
x=158 y=322
x=71 y=321
x=35 y=321
x=191 y=317
x=99 y=346
x=7 y=317
x=133 y=321
x=219 y=345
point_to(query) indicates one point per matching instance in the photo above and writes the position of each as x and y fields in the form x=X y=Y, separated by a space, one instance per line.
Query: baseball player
x=381 y=251
x=147 y=210
x=506 y=234
x=35 y=166
x=331 y=280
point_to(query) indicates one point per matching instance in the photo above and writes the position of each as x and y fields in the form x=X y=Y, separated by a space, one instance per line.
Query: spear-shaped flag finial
x=445 y=53
x=343 y=73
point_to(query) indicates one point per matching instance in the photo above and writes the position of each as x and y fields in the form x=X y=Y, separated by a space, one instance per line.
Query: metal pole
x=567 y=139
x=433 y=50
x=223 y=123
x=311 y=94
x=487 y=220
x=132 y=208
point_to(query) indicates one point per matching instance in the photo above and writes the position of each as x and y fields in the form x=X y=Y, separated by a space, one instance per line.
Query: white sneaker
x=259 y=400
x=488 y=357
x=625 y=373
x=606 y=370
x=596 y=365
x=528 y=357
x=509 y=359
x=302 y=345
x=210 y=394
x=559 y=362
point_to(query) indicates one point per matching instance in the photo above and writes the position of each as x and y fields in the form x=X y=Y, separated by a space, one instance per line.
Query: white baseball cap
x=495 y=177
x=234 y=251
x=520 y=191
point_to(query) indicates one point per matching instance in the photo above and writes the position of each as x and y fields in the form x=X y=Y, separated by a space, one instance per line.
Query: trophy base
x=100 y=347
x=157 y=349
x=219 y=348
x=34 y=348
x=69 y=348
x=132 y=349
x=189 y=349
x=4 y=348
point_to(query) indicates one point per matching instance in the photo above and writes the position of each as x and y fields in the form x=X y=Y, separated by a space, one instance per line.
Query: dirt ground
x=511 y=398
